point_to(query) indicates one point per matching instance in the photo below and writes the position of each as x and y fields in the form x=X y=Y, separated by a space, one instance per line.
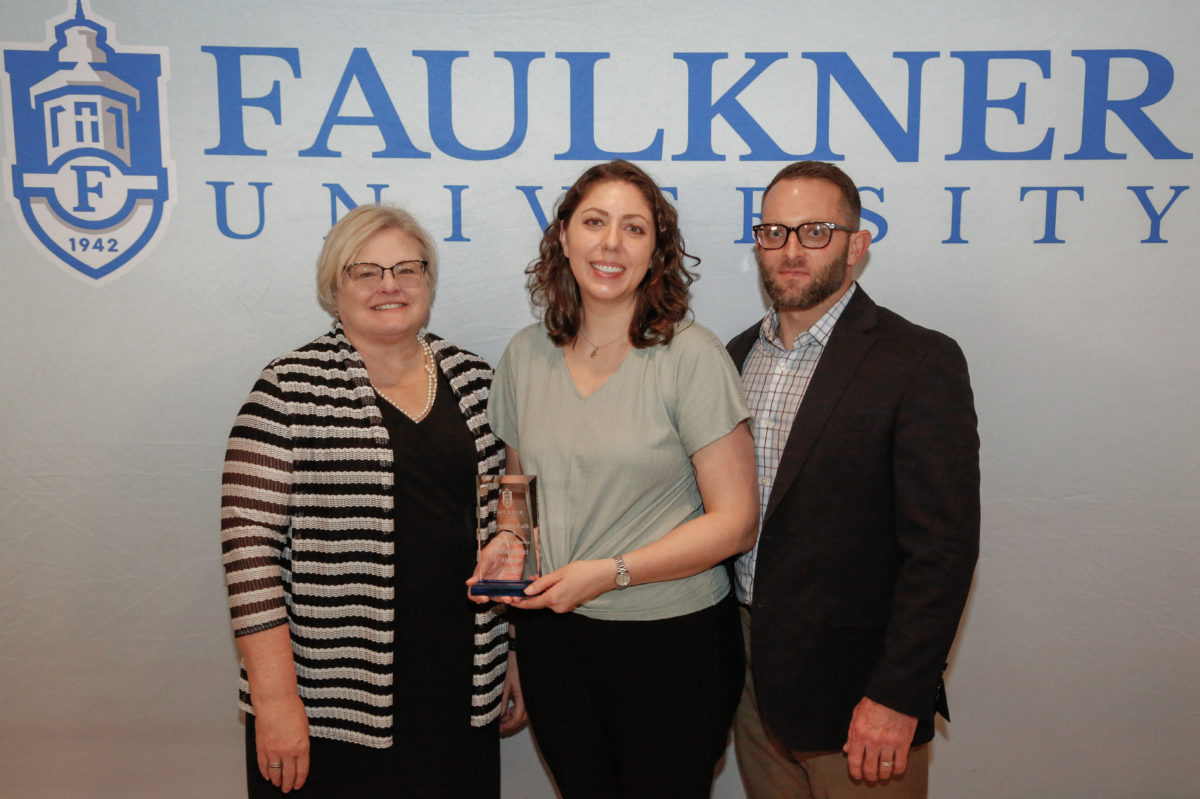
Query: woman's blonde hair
x=351 y=233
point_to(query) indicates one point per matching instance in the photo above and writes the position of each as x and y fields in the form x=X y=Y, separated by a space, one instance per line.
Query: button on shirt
x=775 y=380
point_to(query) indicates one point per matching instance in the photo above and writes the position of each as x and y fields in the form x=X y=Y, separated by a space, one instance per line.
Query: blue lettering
x=456 y=213
x=749 y=216
x=1143 y=195
x=902 y=143
x=583 y=145
x=702 y=110
x=396 y=144
x=881 y=225
x=84 y=189
x=1096 y=105
x=220 y=188
x=441 y=107
x=956 y=193
x=976 y=103
x=231 y=102
x=339 y=195
x=1049 y=237
x=535 y=205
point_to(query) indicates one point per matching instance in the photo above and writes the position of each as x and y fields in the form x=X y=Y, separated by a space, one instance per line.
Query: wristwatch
x=623 y=577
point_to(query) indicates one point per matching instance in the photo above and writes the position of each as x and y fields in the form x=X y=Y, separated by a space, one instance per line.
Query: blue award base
x=500 y=587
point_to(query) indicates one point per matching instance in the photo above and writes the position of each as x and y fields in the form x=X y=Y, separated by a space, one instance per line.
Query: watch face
x=622 y=580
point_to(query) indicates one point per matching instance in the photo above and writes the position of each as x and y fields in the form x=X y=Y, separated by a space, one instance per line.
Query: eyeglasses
x=407 y=274
x=811 y=235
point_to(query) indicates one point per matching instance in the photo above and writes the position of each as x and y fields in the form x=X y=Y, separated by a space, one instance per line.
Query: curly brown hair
x=662 y=298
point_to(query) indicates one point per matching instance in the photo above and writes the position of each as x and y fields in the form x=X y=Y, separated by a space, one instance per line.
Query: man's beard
x=821 y=287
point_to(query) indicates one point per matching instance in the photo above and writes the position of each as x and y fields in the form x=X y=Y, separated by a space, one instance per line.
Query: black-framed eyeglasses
x=811 y=235
x=407 y=274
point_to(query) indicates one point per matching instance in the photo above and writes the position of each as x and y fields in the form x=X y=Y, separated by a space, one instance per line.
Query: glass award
x=511 y=557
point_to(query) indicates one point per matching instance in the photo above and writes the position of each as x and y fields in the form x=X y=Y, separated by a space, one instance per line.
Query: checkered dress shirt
x=775 y=380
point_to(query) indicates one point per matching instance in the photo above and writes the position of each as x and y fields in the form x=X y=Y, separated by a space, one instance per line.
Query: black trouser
x=631 y=708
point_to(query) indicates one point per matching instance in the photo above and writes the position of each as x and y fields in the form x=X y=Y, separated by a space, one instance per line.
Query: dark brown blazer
x=871 y=532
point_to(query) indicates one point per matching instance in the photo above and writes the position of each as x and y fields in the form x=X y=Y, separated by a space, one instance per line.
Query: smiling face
x=800 y=279
x=384 y=311
x=608 y=242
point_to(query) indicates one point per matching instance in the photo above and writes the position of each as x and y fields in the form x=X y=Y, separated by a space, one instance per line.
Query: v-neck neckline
x=575 y=383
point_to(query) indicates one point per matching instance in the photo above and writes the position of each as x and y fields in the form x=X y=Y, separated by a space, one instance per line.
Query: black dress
x=436 y=751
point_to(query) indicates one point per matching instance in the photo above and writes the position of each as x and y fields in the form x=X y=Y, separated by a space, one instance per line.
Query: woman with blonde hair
x=348 y=517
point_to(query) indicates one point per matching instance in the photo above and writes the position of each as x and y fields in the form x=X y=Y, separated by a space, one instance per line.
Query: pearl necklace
x=596 y=348
x=430 y=385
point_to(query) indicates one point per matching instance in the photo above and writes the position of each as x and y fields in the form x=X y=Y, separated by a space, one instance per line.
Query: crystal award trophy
x=510 y=559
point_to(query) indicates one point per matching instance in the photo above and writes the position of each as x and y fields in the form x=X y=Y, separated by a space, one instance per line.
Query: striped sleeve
x=255 y=491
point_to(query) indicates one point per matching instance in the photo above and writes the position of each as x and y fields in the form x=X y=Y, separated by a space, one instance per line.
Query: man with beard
x=868 y=465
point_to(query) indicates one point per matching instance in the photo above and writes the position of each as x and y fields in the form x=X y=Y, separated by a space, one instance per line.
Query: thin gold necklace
x=596 y=348
x=430 y=385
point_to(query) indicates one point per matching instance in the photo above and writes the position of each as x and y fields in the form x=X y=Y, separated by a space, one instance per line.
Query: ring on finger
x=887 y=763
x=274 y=765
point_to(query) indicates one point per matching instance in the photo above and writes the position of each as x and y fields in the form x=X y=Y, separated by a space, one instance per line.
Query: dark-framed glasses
x=811 y=235
x=407 y=274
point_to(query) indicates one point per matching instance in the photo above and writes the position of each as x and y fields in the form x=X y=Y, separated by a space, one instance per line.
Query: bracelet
x=514 y=534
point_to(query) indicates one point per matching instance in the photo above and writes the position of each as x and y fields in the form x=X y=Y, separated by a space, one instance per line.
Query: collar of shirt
x=768 y=331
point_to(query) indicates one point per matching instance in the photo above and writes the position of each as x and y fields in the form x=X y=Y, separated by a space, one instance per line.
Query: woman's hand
x=280 y=724
x=565 y=589
x=502 y=559
x=513 y=717
x=281 y=738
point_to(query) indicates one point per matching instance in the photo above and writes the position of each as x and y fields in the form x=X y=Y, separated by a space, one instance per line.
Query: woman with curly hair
x=632 y=418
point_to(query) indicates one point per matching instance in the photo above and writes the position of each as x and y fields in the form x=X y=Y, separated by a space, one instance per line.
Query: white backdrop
x=1074 y=672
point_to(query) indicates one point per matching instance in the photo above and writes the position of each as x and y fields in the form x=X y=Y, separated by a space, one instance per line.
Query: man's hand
x=877 y=744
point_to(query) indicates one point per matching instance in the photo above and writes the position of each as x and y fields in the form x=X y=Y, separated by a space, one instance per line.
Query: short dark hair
x=662 y=298
x=819 y=170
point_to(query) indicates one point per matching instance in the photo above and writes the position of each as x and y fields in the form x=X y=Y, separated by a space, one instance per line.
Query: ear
x=860 y=240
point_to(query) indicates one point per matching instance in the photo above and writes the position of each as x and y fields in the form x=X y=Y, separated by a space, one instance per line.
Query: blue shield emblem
x=86 y=154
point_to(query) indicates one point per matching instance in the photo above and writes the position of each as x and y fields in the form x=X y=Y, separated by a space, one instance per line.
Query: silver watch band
x=622 y=579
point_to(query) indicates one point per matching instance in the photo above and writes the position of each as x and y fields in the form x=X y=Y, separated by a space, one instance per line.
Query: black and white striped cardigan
x=307 y=532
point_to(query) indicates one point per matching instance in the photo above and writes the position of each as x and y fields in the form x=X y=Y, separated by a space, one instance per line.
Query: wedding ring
x=887 y=763
x=275 y=765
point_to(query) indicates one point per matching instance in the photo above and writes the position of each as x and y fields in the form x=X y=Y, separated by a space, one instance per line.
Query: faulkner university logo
x=86 y=156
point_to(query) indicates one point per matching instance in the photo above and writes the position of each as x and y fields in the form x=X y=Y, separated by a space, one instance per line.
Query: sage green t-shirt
x=614 y=469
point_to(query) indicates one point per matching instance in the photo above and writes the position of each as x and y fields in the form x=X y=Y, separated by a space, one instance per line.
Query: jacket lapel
x=848 y=345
